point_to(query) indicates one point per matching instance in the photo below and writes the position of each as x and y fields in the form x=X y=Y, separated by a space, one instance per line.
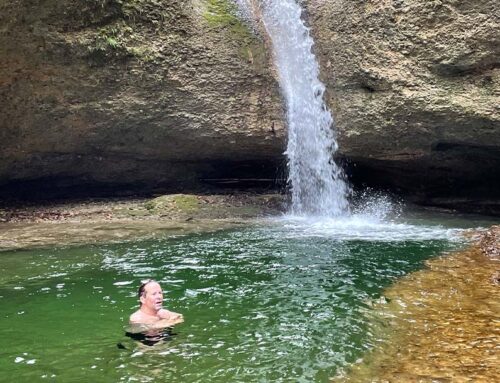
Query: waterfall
x=317 y=183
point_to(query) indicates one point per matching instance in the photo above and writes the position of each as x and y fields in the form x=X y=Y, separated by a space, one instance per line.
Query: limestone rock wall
x=145 y=92
x=152 y=92
x=415 y=89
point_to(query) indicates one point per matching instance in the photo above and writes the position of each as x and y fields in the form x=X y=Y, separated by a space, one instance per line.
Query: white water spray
x=317 y=182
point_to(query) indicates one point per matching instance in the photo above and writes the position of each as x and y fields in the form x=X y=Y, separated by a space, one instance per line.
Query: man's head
x=151 y=295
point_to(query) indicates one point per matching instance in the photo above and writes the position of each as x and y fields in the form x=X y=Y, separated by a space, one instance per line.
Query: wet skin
x=151 y=314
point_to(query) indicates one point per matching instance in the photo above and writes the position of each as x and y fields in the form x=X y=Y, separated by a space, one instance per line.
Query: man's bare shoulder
x=140 y=318
x=135 y=317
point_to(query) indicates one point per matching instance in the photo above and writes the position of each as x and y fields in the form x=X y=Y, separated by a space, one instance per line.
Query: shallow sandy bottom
x=441 y=324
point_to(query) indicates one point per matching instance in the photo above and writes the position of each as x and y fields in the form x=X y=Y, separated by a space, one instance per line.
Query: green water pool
x=274 y=303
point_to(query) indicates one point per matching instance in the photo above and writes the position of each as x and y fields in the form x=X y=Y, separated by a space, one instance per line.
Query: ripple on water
x=266 y=303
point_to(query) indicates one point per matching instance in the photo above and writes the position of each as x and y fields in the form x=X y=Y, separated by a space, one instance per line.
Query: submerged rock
x=438 y=323
x=101 y=221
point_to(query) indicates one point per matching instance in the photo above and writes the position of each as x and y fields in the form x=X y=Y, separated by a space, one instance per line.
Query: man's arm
x=170 y=315
x=162 y=323
x=169 y=318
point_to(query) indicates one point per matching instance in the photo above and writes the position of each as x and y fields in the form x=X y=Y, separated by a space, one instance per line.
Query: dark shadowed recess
x=149 y=178
x=454 y=175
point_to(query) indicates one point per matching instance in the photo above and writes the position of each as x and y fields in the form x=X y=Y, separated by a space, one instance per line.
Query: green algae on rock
x=182 y=202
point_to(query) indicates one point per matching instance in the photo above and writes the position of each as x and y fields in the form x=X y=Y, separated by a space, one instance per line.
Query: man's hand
x=166 y=314
x=176 y=316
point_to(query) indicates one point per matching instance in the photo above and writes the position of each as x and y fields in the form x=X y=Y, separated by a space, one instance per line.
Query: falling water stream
x=317 y=183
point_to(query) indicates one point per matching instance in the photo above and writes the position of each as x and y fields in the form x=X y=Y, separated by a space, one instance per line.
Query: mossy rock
x=221 y=12
x=184 y=203
x=224 y=14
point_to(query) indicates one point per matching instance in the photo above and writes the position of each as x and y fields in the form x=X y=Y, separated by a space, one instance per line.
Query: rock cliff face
x=415 y=89
x=133 y=92
x=99 y=93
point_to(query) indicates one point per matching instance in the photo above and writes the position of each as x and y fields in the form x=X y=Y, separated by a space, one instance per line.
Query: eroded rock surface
x=142 y=92
x=415 y=89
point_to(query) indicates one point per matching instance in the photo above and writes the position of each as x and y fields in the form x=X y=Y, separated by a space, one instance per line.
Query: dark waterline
x=261 y=304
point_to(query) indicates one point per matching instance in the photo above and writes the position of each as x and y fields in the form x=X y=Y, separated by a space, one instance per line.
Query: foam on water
x=363 y=228
x=374 y=217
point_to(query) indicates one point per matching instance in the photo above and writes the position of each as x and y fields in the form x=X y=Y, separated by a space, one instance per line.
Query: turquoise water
x=283 y=302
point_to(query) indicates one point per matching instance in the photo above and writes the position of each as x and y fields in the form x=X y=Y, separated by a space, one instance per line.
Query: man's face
x=153 y=296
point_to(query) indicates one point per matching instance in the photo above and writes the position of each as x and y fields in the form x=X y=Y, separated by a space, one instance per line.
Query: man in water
x=151 y=314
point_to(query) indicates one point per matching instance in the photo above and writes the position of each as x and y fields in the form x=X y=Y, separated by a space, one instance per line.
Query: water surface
x=282 y=302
